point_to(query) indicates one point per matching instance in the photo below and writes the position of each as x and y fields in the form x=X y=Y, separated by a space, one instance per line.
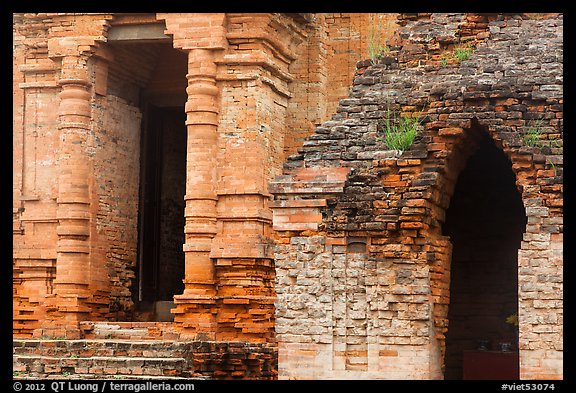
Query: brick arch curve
x=382 y=314
x=395 y=204
x=461 y=147
x=535 y=175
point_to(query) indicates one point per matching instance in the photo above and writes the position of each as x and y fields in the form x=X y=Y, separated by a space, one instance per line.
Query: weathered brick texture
x=363 y=268
x=250 y=86
x=296 y=225
x=142 y=359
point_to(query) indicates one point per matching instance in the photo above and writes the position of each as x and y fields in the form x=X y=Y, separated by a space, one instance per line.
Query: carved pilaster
x=195 y=308
x=71 y=285
x=59 y=66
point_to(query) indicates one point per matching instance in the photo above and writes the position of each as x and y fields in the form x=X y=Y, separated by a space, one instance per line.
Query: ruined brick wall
x=325 y=65
x=363 y=269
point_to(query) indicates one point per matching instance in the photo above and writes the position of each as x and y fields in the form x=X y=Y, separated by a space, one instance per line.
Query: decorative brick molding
x=251 y=93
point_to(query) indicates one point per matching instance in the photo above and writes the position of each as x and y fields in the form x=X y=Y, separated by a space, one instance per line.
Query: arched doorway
x=485 y=222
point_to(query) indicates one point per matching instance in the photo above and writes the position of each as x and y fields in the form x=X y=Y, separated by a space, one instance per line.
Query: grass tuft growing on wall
x=400 y=133
x=531 y=133
x=375 y=45
x=460 y=54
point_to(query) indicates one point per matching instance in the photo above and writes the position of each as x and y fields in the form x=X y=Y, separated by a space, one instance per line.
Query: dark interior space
x=173 y=189
x=162 y=219
x=152 y=76
x=485 y=222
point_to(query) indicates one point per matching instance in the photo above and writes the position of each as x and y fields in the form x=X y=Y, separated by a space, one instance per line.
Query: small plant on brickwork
x=444 y=59
x=531 y=134
x=375 y=46
x=460 y=53
x=399 y=132
x=549 y=161
x=463 y=52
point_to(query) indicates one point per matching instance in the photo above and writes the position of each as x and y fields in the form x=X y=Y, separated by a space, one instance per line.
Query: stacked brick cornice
x=250 y=95
x=360 y=253
x=348 y=266
x=61 y=63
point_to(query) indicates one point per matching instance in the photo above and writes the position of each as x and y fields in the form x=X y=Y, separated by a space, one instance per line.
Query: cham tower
x=218 y=190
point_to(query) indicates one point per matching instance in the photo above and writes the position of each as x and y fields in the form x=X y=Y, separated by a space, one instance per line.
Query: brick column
x=195 y=309
x=71 y=285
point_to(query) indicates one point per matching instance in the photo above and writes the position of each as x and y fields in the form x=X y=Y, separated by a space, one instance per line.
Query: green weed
x=460 y=53
x=400 y=134
x=463 y=52
x=531 y=134
x=399 y=131
x=376 y=47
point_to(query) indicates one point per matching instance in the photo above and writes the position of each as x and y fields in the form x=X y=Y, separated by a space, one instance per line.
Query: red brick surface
x=283 y=172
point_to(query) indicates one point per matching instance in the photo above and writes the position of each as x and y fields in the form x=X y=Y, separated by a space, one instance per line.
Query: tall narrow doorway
x=485 y=222
x=163 y=185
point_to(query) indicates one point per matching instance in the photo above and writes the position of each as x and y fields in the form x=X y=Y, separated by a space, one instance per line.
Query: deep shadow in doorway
x=485 y=221
x=161 y=232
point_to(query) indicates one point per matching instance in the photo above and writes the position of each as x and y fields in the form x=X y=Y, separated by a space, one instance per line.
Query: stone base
x=113 y=358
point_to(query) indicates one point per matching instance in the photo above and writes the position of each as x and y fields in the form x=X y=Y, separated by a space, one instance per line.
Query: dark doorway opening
x=485 y=222
x=163 y=185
